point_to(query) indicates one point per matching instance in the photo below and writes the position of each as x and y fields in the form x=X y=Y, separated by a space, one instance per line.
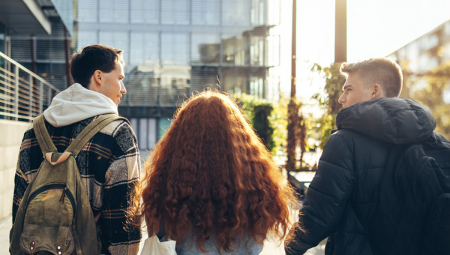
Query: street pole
x=291 y=141
x=340 y=46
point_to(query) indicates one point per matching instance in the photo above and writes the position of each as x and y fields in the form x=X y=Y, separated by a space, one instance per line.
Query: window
x=143 y=134
x=114 y=11
x=118 y=40
x=2 y=38
x=204 y=77
x=273 y=12
x=257 y=87
x=175 y=12
x=430 y=41
x=144 y=48
x=205 y=48
x=258 y=12
x=50 y=49
x=205 y=12
x=257 y=50
x=145 y=11
x=152 y=133
x=87 y=11
x=175 y=49
x=236 y=12
x=447 y=50
x=235 y=80
x=86 y=38
x=234 y=50
x=446 y=96
x=447 y=28
x=273 y=50
x=21 y=50
x=106 y=11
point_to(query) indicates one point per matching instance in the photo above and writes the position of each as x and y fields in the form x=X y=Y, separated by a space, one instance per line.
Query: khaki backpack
x=55 y=216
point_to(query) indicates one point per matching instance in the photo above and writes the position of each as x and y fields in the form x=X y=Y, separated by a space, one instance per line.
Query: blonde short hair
x=382 y=71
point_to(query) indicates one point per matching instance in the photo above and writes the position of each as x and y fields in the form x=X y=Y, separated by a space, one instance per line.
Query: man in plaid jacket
x=109 y=163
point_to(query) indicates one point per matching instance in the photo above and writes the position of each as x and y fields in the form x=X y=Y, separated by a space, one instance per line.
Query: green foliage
x=258 y=113
x=279 y=122
x=328 y=101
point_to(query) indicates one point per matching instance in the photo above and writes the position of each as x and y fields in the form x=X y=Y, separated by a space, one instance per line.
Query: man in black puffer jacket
x=344 y=193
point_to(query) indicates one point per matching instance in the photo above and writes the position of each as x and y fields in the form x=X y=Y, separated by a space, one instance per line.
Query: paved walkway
x=270 y=248
x=5 y=227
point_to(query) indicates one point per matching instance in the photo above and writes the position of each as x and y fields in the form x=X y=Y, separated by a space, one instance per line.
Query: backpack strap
x=88 y=132
x=42 y=135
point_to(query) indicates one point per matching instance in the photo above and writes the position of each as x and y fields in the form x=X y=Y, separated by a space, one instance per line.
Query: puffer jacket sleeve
x=327 y=196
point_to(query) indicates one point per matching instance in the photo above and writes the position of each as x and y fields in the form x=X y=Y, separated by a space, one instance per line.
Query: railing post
x=16 y=92
x=49 y=96
x=31 y=97
x=41 y=96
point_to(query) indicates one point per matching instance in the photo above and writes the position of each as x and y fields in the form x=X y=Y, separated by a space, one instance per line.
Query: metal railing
x=23 y=94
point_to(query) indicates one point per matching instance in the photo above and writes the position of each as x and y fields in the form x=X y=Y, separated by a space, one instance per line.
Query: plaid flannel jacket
x=109 y=165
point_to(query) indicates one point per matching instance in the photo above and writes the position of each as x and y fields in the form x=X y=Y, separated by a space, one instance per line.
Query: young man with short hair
x=344 y=195
x=109 y=163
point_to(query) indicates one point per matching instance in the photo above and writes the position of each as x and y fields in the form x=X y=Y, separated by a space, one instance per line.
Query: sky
x=377 y=28
x=374 y=29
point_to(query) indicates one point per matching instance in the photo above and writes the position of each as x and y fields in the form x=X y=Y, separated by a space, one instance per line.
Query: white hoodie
x=77 y=103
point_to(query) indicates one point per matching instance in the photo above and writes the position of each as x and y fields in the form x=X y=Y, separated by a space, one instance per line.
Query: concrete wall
x=11 y=134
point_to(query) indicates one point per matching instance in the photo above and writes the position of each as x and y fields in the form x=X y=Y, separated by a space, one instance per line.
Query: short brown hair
x=92 y=58
x=382 y=71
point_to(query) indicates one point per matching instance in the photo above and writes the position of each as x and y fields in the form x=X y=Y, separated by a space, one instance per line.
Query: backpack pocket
x=57 y=241
x=48 y=220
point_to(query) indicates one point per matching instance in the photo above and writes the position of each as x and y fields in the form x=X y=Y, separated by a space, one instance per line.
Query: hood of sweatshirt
x=77 y=103
x=394 y=120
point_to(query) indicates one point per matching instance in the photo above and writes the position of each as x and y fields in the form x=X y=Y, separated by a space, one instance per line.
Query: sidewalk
x=270 y=248
x=5 y=227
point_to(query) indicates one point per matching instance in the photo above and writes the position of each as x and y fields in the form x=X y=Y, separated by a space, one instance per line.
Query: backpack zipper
x=55 y=186
x=61 y=199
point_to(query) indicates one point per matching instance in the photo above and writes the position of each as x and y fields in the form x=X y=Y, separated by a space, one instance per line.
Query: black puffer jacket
x=343 y=192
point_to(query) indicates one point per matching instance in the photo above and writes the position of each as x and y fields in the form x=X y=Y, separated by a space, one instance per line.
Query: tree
x=328 y=101
x=301 y=137
x=301 y=130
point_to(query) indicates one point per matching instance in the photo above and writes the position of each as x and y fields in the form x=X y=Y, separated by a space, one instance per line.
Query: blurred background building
x=37 y=35
x=174 y=48
x=419 y=57
x=426 y=73
x=27 y=31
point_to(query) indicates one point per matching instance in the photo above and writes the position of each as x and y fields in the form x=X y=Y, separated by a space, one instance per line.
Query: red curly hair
x=210 y=173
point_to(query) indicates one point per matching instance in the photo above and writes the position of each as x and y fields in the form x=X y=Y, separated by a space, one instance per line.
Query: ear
x=98 y=77
x=377 y=92
x=96 y=81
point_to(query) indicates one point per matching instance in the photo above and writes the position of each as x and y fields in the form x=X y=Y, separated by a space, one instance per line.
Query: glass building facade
x=4 y=40
x=174 y=48
x=424 y=54
x=47 y=55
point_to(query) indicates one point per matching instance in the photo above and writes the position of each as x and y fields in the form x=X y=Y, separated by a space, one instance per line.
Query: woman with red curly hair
x=211 y=184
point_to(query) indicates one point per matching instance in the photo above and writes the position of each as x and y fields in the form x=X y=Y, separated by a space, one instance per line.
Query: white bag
x=152 y=246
